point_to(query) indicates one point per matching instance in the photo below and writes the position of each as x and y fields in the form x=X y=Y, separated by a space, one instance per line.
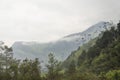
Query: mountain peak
x=93 y=30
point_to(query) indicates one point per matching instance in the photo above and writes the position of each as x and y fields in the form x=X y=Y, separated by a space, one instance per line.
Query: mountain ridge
x=61 y=48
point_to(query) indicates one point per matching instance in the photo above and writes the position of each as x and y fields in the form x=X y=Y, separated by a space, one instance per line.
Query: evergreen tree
x=54 y=69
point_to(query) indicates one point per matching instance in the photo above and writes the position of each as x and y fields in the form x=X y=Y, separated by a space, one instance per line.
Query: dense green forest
x=99 y=59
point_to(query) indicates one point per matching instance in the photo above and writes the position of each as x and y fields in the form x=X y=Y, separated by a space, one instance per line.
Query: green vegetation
x=103 y=58
x=75 y=54
x=99 y=59
x=12 y=69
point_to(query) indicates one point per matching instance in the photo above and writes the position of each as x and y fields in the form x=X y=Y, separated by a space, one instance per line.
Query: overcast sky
x=48 y=20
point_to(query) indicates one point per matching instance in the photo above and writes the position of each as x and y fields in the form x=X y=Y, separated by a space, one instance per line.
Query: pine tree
x=54 y=69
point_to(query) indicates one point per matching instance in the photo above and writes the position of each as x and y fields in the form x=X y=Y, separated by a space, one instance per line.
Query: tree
x=36 y=70
x=14 y=69
x=30 y=70
x=54 y=68
x=6 y=58
x=6 y=55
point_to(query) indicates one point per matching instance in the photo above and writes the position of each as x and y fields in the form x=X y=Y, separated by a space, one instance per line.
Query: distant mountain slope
x=61 y=48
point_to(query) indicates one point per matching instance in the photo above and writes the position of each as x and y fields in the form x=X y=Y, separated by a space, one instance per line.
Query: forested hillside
x=103 y=58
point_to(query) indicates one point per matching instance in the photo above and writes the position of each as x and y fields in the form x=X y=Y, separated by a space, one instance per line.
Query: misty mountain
x=61 y=48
